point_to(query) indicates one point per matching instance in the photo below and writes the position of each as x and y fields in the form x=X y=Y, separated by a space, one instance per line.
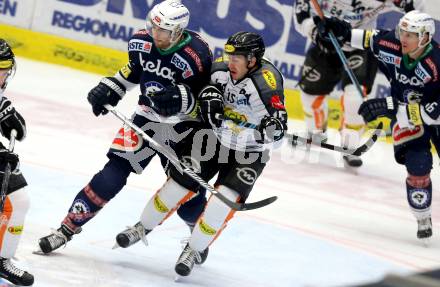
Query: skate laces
x=57 y=239
x=136 y=233
x=11 y=268
x=189 y=255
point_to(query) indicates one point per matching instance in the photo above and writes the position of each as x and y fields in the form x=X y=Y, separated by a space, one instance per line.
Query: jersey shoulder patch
x=268 y=78
x=141 y=41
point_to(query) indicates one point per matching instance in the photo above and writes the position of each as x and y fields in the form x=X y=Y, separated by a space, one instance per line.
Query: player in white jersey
x=323 y=69
x=244 y=87
x=14 y=206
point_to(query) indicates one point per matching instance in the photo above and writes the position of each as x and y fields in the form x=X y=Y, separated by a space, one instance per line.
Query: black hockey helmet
x=7 y=59
x=246 y=43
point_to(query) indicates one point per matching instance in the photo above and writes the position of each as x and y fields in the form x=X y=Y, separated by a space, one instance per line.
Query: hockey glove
x=172 y=100
x=406 y=5
x=270 y=129
x=108 y=91
x=8 y=157
x=373 y=108
x=10 y=120
x=340 y=29
x=211 y=104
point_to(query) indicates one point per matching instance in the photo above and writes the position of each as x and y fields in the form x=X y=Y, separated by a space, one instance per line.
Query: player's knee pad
x=111 y=179
x=191 y=210
x=213 y=220
x=419 y=194
x=164 y=203
x=315 y=112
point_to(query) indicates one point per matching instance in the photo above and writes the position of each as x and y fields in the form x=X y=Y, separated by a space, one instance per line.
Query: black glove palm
x=340 y=29
x=10 y=120
x=211 y=104
x=108 y=92
x=374 y=108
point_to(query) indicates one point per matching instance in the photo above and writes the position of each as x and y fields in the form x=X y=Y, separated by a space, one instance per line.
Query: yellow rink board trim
x=57 y=50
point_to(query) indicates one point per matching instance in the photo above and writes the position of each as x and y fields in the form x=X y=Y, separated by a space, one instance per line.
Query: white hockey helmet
x=417 y=22
x=169 y=15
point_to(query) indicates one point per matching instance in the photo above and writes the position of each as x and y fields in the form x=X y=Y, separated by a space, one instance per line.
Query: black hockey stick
x=358 y=151
x=7 y=172
x=180 y=166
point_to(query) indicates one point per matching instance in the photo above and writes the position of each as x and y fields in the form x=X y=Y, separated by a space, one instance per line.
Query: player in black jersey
x=170 y=65
x=410 y=59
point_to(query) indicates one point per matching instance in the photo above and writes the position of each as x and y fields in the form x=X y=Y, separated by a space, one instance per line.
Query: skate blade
x=39 y=252
x=116 y=246
x=178 y=278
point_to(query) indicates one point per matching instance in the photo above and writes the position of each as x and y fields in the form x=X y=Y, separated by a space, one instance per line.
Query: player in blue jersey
x=170 y=65
x=410 y=59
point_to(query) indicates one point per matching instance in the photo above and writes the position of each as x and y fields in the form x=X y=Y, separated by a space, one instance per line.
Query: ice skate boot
x=56 y=239
x=131 y=235
x=13 y=274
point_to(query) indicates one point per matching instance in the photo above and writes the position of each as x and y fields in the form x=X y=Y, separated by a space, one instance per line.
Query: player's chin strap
x=7 y=172
x=181 y=167
x=339 y=51
x=357 y=152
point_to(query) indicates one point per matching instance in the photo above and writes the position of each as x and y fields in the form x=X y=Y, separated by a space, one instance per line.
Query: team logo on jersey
x=390 y=58
x=183 y=65
x=433 y=67
x=156 y=68
x=355 y=61
x=411 y=96
x=419 y=198
x=311 y=74
x=413 y=81
x=195 y=57
x=247 y=175
x=139 y=45
x=269 y=77
x=159 y=205
x=205 y=228
x=16 y=230
x=153 y=86
x=422 y=73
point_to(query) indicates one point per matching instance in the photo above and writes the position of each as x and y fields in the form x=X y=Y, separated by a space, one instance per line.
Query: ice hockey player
x=323 y=69
x=16 y=203
x=244 y=86
x=411 y=61
x=170 y=65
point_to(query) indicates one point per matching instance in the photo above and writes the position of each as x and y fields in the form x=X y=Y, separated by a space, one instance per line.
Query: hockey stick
x=180 y=166
x=357 y=152
x=7 y=172
x=339 y=51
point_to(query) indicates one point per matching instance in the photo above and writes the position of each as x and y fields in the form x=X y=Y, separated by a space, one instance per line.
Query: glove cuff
x=112 y=84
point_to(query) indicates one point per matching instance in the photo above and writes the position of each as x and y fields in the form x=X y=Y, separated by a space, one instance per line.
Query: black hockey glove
x=406 y=5
x=172 y=100
x=8 y=157
x=270 y=129
x=341 y=30
x=373 y=108
x=109 y=91
x=211 y=104
x=10 y=120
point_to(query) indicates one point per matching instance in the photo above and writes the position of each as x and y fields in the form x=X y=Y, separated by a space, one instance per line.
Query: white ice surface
x=329 y=227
